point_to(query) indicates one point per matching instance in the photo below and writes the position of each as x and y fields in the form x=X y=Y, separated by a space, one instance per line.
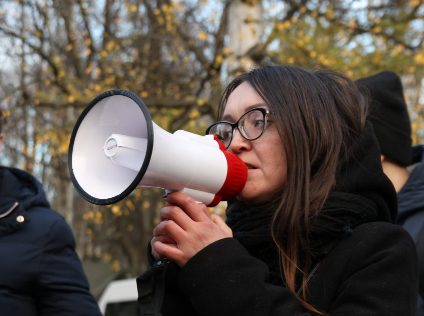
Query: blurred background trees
x=176 y=55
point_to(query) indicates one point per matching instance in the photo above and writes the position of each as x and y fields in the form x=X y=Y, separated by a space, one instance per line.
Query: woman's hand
x=186 y=227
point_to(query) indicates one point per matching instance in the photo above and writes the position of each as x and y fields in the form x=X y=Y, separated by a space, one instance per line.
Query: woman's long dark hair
x=319 y=114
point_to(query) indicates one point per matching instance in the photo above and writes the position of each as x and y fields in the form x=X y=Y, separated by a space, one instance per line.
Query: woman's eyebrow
x=229 y=117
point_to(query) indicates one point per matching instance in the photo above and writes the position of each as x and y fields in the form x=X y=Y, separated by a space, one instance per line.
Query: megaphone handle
x=168 y=192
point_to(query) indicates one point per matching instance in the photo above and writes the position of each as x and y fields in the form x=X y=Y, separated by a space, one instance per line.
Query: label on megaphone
x=115 y=148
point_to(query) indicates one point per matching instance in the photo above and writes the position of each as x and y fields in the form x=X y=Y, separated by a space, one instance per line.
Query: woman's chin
x=254 y=196
x=250 y=197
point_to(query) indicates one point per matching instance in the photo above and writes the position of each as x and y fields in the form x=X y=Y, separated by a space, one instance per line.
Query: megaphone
x=115 y=148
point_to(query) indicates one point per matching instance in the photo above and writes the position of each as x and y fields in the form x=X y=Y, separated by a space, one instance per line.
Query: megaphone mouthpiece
x=125 y=150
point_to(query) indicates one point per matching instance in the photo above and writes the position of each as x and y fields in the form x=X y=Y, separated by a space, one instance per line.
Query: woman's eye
x=259 y=123
x=227 y=135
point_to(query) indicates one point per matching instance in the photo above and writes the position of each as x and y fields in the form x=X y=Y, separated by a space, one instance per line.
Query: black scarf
x=251 y=225
x=342 y=212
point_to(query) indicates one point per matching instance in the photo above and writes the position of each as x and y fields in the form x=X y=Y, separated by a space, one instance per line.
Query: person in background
x=402 y=163
x=40 y=272
x=312 y=231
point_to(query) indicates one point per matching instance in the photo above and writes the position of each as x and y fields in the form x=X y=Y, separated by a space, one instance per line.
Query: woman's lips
x=249 y=166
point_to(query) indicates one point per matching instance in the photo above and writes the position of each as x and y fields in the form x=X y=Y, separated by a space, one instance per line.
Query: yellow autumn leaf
x=329 y=14
x=57 y=60
x=98 y=218
x=201 y=102
x=377 y=29
x=70 y=99
x=97 y=88
x=193 y=114
x=116 y=210
x=87 y=41
x=106 y=257
x=88 y=70
x=227 y=51
x=419 y=59
x=219 y=59
x=63 y=148
x=132 y=8
x=116 y=266
x=110 y=45
x=177 y=5
x=202 y=36
x=283 y=25
x=97 y=71
x=145 y=205
x=87 y=216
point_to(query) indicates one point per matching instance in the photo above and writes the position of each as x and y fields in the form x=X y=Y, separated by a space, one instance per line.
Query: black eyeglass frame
x=235 y=125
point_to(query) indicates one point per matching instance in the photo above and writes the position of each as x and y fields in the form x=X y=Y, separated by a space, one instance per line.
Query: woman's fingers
x=163 y=239
x=162 y=250
x=176 y=214
x=186 y=228
x=170 y=229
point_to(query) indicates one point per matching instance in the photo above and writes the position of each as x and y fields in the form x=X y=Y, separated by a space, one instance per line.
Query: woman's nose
x=239 y=143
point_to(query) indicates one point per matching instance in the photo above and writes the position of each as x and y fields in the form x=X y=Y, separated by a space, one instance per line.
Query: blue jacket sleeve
x=62 y=286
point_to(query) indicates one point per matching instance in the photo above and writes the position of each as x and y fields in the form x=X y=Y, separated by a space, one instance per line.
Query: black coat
x=40 y=272
x=363 y=264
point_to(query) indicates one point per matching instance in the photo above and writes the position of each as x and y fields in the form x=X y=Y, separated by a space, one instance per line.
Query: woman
x=310 y=233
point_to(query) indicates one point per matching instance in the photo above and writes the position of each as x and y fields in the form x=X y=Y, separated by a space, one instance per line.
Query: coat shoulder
x=50 y=226
x=378 y=258
x=43 y=228
x=381 y=236
x=378 y=241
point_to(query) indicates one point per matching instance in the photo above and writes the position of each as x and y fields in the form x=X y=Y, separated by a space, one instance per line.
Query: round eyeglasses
x=251 y=126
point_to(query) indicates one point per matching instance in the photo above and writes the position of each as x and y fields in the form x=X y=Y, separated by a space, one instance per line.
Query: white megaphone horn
x=115 y=147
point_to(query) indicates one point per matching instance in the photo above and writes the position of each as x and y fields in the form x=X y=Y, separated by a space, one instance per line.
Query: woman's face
x=264 y=157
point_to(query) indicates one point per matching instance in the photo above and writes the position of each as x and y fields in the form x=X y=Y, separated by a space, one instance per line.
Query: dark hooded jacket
x=411 y=198
x=411 y=213
x=40 y=272
x=362 y=263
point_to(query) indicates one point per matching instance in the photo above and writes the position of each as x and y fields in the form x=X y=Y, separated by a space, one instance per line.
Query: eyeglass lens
x=251 y=126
